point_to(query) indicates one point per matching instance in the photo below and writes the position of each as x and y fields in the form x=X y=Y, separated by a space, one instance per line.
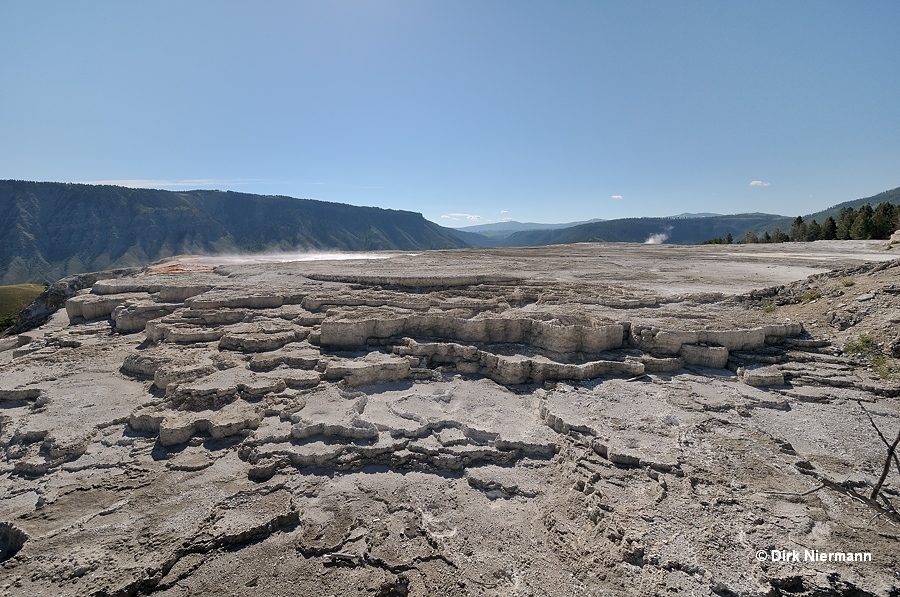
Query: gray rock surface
x=557 y=421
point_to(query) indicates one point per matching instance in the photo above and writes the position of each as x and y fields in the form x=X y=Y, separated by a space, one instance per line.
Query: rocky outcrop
x=356 y=331
x=133 y=316
x=12 y=539
x=761 y=376
x=669 y=342
x=515 y=369
x=374 y=368
x=56 y=295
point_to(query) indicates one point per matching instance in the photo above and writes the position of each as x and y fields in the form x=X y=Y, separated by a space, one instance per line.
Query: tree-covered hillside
x=49 y=230
x=639 y=230
x=875 y=220
x=866 y=223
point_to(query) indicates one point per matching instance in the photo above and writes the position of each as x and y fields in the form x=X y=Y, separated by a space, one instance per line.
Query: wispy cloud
x=504 y=211
x=457 y=217
x=758 y=183
x=616 y=197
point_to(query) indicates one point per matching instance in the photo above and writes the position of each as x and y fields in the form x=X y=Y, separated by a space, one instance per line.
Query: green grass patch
x=882 y=367
x=847 y=283
x=811 y=295
x=864 y=346
x=13 y=299
x=769 y=309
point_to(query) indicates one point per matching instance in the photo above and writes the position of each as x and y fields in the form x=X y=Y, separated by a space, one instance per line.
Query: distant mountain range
x=703 y=214
x=500 y=230
x=49 y=230
x=686 y=228
x=674 y=230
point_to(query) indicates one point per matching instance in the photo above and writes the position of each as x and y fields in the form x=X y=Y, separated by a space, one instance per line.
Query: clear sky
x=476 y=110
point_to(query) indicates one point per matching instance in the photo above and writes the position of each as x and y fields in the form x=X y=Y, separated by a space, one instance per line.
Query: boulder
x=374 y=368
x=714 y=357
x=93 y=306
x=761 y=376
x=133 y=315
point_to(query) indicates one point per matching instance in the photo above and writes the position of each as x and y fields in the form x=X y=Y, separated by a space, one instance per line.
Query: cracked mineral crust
x=589 y=419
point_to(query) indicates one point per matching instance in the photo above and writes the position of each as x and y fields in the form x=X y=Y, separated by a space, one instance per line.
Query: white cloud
x=758 y=183
x=657 y=239
x=457 y=217
x=503 y=211
x=616 y=197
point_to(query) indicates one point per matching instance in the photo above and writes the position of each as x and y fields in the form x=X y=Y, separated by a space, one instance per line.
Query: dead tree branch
x=891 y=455
x=887 y=511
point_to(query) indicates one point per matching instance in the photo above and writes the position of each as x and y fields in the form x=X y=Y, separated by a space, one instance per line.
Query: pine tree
x=779 y=237
x=862 y=225
x=829 y=229
x=845 y=220
x=813 y=231
x=798 y=230
x=883 y=220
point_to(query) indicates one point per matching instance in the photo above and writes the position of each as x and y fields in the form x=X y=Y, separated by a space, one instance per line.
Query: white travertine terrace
x=476 y=423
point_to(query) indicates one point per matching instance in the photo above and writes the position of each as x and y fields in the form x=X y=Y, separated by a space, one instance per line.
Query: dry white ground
x=574 y=420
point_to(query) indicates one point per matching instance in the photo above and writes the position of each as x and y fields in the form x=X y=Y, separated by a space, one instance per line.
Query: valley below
x=585 y=419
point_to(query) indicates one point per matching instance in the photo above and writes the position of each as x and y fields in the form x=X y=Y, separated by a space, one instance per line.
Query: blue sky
x=480 y=111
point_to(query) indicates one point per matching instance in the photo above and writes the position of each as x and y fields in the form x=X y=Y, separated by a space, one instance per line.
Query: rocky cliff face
x=507 y=426
x=50 y=230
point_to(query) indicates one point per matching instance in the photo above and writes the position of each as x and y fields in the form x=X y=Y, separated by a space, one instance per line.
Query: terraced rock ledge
x=369 y=428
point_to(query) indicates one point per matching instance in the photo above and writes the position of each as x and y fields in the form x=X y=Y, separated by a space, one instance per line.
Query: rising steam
x=286 y=257
x=660 y=237
x=190 y=262
x=657 y=239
